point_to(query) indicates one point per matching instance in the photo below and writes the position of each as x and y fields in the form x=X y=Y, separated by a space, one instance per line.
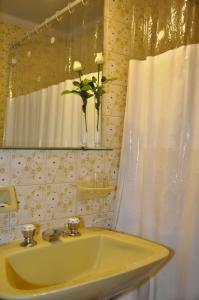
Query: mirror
x=37 y=65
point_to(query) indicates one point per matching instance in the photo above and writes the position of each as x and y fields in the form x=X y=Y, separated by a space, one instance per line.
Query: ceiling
x=27 y=13
x=34 y=11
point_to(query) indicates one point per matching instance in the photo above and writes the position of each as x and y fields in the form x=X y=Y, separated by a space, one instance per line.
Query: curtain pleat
x=159 y=171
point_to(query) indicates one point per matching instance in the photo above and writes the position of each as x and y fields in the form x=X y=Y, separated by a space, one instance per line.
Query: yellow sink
x=96 y=265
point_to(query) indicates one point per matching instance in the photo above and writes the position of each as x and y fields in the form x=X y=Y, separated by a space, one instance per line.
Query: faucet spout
x=52 y=235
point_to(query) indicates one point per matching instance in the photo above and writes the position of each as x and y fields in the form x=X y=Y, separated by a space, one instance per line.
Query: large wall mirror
x=35 y=68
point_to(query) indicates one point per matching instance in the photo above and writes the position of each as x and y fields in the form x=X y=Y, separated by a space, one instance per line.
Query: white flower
x=99 y=60
x=77 y=66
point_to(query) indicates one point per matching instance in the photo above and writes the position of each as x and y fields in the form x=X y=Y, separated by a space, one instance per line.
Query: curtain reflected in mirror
x=40 y=68
x=44 y=118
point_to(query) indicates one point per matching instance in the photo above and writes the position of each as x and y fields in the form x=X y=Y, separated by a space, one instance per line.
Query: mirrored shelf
x=57 y=148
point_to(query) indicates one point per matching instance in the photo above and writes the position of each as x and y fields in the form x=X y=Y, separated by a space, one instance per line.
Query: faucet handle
x=28 y=231
x=73 y=225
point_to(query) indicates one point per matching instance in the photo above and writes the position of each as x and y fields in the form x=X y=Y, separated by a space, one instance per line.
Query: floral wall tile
x=4 y=235
x=119 y=10
x=60 y=201
x=112 y=165
x=89 y=163
x=31 y=205
x=84 y=207
x=108 y=219
x=113 y=129
x=90 y=206
x=103 y=220
x=87 y=220
x=85 y=167
x=114 y=101
x=4 y=166
x=56 y=224
x=109 y=202
x=28 y=167
x=117 y=37
x=98 y=205
x=15 y=233
x=4 y=219
x=61 y=166
x=116 y=65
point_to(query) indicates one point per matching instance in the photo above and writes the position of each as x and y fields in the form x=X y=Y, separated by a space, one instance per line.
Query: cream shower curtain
x=44 y=118
x=158 y=195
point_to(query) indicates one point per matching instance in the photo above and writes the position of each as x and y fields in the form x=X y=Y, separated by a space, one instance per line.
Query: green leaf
x=94 y=79
x=76 y=83
x=86 y=81
x=86 y=88
x=66 y=92
x=70 y=92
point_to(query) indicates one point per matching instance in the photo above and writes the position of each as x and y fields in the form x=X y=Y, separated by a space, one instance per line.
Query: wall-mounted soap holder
x=88 y=191
x=8 y=199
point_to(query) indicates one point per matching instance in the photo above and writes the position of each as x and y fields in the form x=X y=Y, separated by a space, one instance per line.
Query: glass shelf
x=57 y=148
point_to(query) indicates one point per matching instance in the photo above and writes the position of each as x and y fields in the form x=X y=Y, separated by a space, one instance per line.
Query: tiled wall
x=45 y=187
x=44 y=180
x=117 y=34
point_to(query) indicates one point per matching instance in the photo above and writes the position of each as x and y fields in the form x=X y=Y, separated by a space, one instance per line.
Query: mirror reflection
x=38 y=55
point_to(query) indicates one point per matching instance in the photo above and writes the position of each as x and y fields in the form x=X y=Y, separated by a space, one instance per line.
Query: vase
x=84 y=133
x=97 y=133
x=97 y=138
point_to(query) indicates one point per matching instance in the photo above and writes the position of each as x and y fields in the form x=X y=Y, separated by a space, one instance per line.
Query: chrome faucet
x=52 y=235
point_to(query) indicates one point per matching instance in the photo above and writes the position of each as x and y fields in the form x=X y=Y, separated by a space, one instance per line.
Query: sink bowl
x=96 y=265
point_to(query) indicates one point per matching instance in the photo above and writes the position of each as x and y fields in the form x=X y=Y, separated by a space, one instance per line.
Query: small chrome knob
x=73 y=225
x=28 y=231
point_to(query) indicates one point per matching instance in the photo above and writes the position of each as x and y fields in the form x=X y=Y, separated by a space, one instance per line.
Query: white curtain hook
x=36 y=29
x=46 y=23
x=69 y=9
x=58 y=18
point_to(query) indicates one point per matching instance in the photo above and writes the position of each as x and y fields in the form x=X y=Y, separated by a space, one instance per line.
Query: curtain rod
x=47 y=21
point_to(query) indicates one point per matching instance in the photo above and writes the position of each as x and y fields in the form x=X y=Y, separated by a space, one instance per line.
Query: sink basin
x=96 y=265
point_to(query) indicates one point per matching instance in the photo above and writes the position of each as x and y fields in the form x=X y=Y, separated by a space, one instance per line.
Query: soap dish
x=8 y=200
x=87 y=191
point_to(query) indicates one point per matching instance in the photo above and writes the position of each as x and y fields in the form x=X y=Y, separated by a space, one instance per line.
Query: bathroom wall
x=45 y=187
x=117 y=32
x=45 y=180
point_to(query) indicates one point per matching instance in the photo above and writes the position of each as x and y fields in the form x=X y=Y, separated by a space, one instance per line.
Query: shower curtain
x=44 y=118
x=158 y=196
